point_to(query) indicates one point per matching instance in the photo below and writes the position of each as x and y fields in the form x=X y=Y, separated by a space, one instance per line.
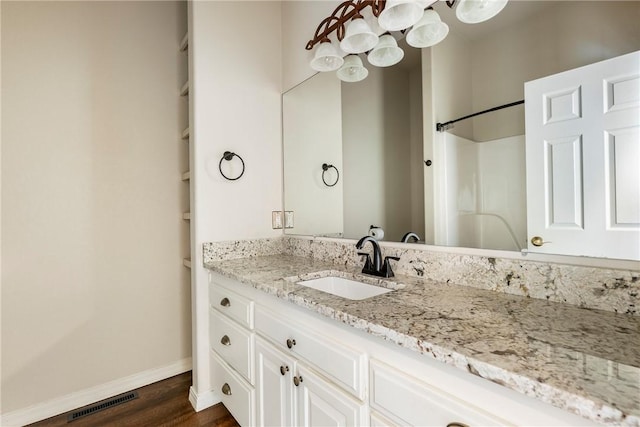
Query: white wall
x=299 y=21
x=376 y=151
x=312 y=135
x=541 y=45
x=235 y=73
x=93 y=289
x=451 y=73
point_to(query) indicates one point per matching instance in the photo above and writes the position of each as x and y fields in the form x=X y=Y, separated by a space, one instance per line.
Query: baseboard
x=90 y=395
x=203 y=400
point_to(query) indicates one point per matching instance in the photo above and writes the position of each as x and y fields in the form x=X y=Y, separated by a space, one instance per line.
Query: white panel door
x=275 y=404
x=583 y=160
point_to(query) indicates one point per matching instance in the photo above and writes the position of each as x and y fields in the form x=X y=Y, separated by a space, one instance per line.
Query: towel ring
x=326 y=167
x=228 y=155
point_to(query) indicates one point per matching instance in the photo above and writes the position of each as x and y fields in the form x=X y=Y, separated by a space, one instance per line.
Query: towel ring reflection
x=326 y=167
x=228 y=155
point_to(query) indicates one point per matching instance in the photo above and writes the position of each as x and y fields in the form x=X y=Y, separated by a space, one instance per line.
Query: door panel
x=583 y=160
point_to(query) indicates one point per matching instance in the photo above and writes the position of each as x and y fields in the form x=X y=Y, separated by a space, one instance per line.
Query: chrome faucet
x=410 y=235
x=377 y=267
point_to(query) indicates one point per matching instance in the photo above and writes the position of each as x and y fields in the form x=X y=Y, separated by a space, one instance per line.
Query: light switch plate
x=288 y=219
x=276 y=219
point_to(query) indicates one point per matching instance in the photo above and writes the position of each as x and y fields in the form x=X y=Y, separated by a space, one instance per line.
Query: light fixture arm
x=340 y=16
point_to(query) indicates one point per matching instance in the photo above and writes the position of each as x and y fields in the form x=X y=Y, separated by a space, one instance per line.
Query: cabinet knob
x=291 y=343
x=284 y=369
x=457 y=424
x=225 y=340
x=226 y=389
x=225 y=302
x=297 y=380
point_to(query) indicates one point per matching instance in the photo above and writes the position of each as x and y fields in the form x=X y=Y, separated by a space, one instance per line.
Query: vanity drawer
x=237 y=396
x=408 y=401
x=232 y=342
x=230 y=303
x=344 y=365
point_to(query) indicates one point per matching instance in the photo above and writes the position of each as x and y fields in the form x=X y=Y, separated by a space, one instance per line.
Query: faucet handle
x=386 y=267
x=367 y=263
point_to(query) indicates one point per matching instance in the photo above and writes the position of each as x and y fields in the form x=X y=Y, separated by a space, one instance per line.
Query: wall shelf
x=186 y=216
x=186 y=176
x=185 y=134
x=186 y=262
x=184 y=91
x=184 y=44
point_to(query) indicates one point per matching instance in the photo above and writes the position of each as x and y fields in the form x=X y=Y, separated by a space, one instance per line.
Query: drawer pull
x=297 y=380
x=457 y=424
x=225 y=302
x=226 y=389
x=284 y=369
x=291 y=343
x=225 y=340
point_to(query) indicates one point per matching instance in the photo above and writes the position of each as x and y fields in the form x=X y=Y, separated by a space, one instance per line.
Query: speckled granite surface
x=608 y=289
x=584 y=361
x=601 y=288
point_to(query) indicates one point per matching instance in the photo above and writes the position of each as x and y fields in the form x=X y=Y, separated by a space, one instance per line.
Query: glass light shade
x=386 y=52
x=326 y=58
x=352 y=70
x=474 y=11
x=400 y=14
x=428 y=31
x=358 y=37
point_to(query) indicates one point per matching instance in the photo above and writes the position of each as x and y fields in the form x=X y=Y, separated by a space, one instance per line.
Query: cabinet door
x=274 y=386
x=321 y=404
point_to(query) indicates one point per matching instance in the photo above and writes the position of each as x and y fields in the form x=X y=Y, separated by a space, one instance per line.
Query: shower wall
x=485 y=202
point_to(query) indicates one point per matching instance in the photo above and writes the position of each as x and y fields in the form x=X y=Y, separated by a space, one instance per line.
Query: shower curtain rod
x=441 y=127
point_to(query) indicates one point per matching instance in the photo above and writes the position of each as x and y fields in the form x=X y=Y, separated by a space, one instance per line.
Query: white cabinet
x=340 y=362
x=231 y=343
x=321 y=404
x=289 y=393
x=274 y=386
x=237 y=395
x=408 y=401
x=300 y=368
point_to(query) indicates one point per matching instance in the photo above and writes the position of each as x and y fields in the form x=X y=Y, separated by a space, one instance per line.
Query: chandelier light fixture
x=414 y=19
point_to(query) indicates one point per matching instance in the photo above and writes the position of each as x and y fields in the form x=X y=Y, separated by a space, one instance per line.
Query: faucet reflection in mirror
x=414 y=18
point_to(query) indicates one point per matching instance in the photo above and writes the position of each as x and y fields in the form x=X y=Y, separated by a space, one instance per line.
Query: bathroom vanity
x=425 y=353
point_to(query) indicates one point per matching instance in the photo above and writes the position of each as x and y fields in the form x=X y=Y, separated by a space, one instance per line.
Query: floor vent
x=104 y=404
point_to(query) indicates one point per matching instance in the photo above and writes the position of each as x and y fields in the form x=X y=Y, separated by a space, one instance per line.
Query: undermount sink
x=344 y=288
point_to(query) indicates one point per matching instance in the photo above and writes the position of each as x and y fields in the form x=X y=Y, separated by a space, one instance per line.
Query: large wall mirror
x=385 y=165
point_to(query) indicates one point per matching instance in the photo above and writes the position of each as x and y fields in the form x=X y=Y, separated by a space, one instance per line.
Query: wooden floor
x=164 y=403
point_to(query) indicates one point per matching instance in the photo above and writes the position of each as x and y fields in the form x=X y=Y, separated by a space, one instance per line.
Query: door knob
x=537 y=241
x=225 y=340
x=291 y=343
x=284 y=369
x=297 y=380
x=226 y=389
x=225 y=302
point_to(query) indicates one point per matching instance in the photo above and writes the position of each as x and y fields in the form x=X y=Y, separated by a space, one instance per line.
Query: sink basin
x=344 y=288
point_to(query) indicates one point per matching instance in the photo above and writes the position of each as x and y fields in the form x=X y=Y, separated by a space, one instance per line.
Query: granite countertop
x=585 y=361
